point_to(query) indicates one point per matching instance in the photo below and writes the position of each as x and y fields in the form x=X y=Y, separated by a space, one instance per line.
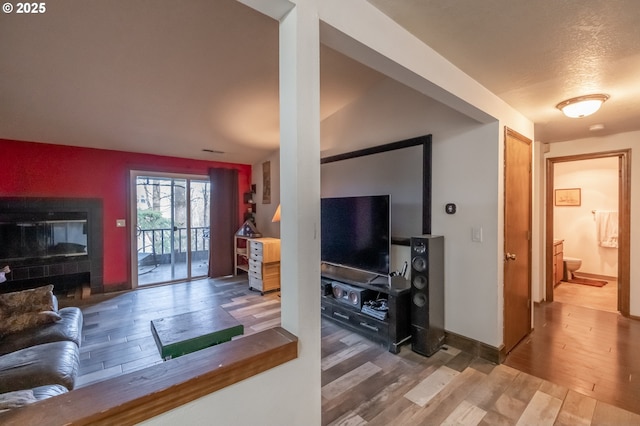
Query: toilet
x=571 y=264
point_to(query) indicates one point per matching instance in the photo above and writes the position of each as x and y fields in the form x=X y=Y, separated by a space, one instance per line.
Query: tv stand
x=392 y=331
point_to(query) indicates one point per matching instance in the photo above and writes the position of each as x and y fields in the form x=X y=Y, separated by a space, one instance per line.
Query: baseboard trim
x=474 y=347
x=123 y=286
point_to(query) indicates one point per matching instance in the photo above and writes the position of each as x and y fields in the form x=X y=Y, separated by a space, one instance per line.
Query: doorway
x=596 y=254
x=170 y=217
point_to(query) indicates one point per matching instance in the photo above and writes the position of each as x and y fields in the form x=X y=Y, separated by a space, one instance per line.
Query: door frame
x=513 y=134
x=133 y=218
x=624 y=222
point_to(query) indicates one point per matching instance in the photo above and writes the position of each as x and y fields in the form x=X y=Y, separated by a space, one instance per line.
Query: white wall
x=611 y=143
x=466 y=171
x=576 y=225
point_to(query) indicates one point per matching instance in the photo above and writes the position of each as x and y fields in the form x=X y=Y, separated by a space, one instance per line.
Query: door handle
x=509 y=256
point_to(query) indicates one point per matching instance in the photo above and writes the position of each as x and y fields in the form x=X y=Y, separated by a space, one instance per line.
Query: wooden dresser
x=263 y=262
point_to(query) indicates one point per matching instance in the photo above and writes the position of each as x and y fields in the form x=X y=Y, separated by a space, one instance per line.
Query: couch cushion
x=26 y=309
x=46 y=364
x=47 y=391
x=68 y=328
x=32 y=300
x=20 y=398
x=16 y=399
x=26 y=320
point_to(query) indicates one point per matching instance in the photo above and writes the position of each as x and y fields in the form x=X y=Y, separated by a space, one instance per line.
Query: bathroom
x=585 y=231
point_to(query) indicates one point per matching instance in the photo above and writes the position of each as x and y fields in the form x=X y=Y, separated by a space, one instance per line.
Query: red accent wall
x=29 y=169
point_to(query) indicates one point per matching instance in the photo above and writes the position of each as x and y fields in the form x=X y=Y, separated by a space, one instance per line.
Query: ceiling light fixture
x=582 y=106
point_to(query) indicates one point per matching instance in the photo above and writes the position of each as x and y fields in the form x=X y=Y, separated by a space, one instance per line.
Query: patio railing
x=154 y=245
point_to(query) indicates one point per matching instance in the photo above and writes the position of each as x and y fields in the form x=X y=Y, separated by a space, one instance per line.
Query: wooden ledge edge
x=143 y=394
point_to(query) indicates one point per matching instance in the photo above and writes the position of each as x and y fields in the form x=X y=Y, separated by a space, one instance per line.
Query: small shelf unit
x=260 y=259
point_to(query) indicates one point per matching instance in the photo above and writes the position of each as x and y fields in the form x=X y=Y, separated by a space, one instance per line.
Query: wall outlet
x=121 y=223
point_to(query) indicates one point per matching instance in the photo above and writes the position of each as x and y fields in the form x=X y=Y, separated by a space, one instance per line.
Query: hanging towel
x=607 y=228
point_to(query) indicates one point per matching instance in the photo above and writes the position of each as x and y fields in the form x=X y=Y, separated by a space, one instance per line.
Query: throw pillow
x=32 y=300
x=23 y=321
x=16 y=399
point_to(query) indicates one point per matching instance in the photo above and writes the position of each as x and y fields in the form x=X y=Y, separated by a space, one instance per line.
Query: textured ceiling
x=535 y=54
x=174 y=80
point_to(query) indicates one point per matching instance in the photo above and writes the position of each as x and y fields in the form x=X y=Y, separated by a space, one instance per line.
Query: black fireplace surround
x=51 y=241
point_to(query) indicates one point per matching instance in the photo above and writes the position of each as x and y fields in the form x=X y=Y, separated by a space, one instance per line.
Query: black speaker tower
x=427 y=294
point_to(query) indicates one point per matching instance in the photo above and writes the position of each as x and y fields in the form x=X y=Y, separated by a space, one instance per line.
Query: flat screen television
x=356 y=232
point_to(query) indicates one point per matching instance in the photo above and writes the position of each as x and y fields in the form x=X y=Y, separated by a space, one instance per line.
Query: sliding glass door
x=199 y=201
x=171 y=227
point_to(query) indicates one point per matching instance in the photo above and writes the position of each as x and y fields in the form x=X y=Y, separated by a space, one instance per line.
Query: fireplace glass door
x=172 y=228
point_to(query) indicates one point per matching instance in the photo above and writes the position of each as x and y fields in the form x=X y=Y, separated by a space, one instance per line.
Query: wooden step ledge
x=140 y=395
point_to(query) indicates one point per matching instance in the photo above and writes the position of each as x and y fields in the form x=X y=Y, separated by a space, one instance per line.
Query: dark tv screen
x=42 y=235
x=355 y=232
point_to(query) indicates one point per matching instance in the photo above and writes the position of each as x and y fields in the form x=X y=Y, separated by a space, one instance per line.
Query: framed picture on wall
x=266 y=182
x=567 y=197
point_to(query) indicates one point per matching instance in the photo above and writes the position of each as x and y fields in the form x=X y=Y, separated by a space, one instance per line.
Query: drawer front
x=257 y=251
x=270 y=270
x=557 y=248
x=255 y=267
x=372 y=325
x=257 y=257
x=368 y=325
x=326 y=308
x=343 y=315
x=266 y=284
x=255 y=283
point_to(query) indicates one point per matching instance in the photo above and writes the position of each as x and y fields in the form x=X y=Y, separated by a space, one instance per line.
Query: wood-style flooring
x=362 y=383
x=601 y=298
x=117 y=327
x=595 y=353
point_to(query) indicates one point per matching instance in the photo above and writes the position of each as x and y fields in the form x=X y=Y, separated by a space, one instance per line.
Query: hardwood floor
x=601 y=298
x=117 y=331
x=592 y=352
x=362 y=383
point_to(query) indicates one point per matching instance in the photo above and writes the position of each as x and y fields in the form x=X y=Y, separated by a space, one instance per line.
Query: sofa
x=39 y=347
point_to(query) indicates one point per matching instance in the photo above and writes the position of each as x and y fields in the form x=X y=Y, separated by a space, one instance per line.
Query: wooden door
x=517 y=238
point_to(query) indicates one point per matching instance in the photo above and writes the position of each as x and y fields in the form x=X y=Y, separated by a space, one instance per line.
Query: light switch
x=476 y=234
x=121 y=223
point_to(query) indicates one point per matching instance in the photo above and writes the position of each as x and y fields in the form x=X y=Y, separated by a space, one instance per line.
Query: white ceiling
x=167 y=79
x=535 y=54
x=174 y=80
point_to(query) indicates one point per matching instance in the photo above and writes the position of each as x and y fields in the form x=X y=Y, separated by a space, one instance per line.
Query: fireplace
x=51 y=241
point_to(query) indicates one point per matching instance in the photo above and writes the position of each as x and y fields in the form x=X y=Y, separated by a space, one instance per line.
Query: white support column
x=300 y=189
